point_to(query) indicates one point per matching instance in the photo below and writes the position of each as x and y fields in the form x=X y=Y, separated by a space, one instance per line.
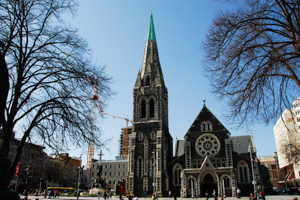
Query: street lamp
x=276 y=163
x=153 y=171
x=40 y=185
x=79 y=171
x=254 y=182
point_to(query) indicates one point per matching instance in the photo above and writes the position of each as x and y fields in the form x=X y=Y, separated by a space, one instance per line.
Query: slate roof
x=241 y=143
x=179 y=151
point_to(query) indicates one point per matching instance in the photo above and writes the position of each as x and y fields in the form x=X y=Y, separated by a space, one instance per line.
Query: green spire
x=151 y=32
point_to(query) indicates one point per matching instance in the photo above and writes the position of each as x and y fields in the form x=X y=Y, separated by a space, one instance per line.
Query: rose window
x=207 y=145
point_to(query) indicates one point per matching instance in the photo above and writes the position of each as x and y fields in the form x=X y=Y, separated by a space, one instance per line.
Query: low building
x=113 y=172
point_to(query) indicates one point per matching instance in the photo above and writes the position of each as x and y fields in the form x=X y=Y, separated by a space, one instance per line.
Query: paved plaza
x=268 y=197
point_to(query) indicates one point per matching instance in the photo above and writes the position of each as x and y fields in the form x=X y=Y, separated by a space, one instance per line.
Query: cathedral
x=207 y=159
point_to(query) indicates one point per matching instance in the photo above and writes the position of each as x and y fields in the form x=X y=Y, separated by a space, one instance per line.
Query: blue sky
x=116 y=30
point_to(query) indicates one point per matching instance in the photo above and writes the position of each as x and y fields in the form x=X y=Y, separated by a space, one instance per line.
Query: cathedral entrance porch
x=208 y=183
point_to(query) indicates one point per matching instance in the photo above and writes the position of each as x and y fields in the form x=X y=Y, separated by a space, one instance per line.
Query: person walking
x=206 y=195
x=104 y=195
x=261 y=196
x=251 y=197
x=170 y=193
x=174 y=196
x=214 y=194
x=99 y=195
x=238 y=192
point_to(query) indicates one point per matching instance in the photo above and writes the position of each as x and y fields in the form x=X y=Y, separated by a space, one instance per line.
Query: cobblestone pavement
x=268 y=197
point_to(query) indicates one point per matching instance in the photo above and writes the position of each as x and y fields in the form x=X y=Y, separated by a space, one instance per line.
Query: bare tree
x=49 y=67
x=252 y=58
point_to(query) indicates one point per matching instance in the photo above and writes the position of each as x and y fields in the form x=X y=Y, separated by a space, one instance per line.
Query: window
x=140 y=167
x=176 y=174
x=143 y=109
x=148 y=80
x=109 y=173
x=243 y=172
x=226 y=182
x=152 y=108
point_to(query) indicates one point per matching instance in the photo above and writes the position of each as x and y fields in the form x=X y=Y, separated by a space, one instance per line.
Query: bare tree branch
x=49 y=68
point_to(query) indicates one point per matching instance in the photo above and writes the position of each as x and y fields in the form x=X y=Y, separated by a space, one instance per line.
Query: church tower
x=150 y=147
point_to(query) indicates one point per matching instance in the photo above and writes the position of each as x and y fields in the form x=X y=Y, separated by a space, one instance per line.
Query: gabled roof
x=241 y=143
x=206 y=115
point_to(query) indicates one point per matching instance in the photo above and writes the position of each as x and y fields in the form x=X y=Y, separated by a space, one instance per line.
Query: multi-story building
x=287 y=138
x=32 y=163
x=273 y=168
x=113 y=172
x=63 y=170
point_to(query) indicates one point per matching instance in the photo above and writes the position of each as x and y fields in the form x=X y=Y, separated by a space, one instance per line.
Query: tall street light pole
x=79 y=171
x=254 y=182
x=154 y=171
x=40 y=185
x=276 y=163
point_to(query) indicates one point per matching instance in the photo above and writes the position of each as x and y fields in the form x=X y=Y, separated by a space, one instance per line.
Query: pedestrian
x=136 y=198
x=261 y=196
x=99 y=194
x=57 y=193
x=174 y=196
x=170 y=193
x=238 y=192
x=206 y=194
x=251 y=197
x=152 y=197
x=214 y=194
x=104 y=195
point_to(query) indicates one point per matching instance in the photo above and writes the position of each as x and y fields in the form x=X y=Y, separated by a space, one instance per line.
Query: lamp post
x=153 y=171
x=276 y=163
x=79 y=171
x=40 y=184
x=254 y=182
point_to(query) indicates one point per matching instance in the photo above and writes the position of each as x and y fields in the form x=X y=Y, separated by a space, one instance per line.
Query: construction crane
x=94 y=83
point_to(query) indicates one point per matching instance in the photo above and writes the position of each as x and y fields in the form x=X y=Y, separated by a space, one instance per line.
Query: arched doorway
x=208 y=184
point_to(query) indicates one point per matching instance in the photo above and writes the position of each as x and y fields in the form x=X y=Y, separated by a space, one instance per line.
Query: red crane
x=94 y=83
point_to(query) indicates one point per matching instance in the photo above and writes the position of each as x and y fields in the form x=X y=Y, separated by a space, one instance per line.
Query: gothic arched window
x=143 y=109
x=243 y=171
x=148 y=80
x=176 y=174
x=226 y=182
x=140 y=167
x=152 y=108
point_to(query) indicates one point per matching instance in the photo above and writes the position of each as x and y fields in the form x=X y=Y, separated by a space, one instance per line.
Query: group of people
x=53 y=193
x=105 y=195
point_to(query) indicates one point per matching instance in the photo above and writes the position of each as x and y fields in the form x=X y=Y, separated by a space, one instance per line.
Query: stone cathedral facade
x=207 y=159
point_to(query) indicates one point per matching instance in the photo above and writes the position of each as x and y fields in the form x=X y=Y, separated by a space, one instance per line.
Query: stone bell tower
x=150 y=147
